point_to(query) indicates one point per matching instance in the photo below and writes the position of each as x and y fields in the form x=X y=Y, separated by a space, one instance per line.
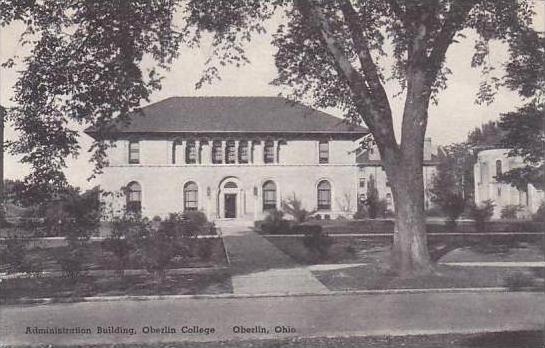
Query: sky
x=449 y=121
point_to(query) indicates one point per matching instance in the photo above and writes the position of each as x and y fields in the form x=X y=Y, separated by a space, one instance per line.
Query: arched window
x=498 y=168
x=217 y=156
x=190 y=152
x=243 y=152
x=191 y=193
x=269 y=195
x=268 y=152
x=230 y=152
x=231 y=185
x=134 y=152
x=134 y=198
x=324 y=195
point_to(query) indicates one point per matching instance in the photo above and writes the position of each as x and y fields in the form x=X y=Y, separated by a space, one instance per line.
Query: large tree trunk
x=409 y=250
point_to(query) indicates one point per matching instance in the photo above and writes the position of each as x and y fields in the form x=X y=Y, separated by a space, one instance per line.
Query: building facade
x=239 y=158
x=490 y=164
x=371 y=172
x=231 y=158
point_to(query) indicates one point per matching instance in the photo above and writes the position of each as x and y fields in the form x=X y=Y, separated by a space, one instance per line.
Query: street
x=244 y=318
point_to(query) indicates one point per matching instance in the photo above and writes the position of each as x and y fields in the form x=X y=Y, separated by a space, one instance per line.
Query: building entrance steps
x=258 y=267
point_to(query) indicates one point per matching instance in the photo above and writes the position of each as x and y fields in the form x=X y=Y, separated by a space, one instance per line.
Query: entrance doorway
x=230 y=205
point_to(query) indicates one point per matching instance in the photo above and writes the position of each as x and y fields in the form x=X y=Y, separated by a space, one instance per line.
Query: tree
x=453 y=185
x=86 y=58
x=294 y=207
x=525 y=136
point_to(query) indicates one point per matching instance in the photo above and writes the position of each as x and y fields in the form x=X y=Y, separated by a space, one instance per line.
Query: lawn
x=517 y=339
x=373 y=277
x=352 y=249
x=208 y=253
x=65 y=289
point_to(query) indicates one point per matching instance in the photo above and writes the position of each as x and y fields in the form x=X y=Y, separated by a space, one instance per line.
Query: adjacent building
x=490 y=164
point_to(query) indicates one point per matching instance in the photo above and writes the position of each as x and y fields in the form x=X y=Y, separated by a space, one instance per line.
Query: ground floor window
x=134 y=198
x=269 y=195
x=191 y=192
x=324 y=195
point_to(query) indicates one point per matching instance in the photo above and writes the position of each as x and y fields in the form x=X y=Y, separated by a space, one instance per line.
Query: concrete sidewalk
x=308 y=316
x=259 y=267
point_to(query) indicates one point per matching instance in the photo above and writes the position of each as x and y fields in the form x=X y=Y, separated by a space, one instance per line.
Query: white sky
x=450 y=121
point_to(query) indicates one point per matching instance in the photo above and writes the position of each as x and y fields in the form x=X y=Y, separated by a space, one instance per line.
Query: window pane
x=216 y=152
x=190 y=196
x=230 y=152
x=324 y=195
x=324 y=151
x=134 y=198
x=190 y=153
x=134 y=152
x=243 y=152
x=269 y=195
x=268 y=152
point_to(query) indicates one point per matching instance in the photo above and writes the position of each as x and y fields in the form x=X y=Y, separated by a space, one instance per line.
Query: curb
x=39 y=301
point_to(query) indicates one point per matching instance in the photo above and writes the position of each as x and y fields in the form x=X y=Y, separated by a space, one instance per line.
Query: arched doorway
x=230 y=199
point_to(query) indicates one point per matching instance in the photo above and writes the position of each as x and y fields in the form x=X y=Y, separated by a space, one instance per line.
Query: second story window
x=134 y=152
x=217 y=156
x=243 y=152
x=323 y=148
x=230 y=152
x=190 y=152
x=268 y=152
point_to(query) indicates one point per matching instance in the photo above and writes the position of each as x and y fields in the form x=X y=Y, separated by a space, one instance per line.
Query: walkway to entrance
x=258 y=267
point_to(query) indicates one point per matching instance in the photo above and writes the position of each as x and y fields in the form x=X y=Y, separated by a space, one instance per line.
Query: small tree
x=14 y=255
x=481 y=214
x=126 y=237
x=173 y=238
x=294 y=207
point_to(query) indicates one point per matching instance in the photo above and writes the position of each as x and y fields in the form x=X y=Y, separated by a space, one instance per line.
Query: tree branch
x=375 y=112
x=453 y=22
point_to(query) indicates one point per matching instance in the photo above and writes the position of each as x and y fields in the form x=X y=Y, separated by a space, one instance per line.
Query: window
x=323 y=148
x=191 y=192
x=230 y=152
x=217 y=156
x=268 y=152
x=362 y=182
x=324 y=195
x=269 y=195
x=498 y=168
x=174 y=144
x=134 y=198
x=243 y=152
x=134 y=152
x=190 y=152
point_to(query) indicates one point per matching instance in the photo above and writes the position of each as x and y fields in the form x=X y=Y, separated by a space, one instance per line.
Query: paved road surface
x=309 y=316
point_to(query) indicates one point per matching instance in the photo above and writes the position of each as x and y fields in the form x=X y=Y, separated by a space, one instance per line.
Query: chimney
x=427 y=149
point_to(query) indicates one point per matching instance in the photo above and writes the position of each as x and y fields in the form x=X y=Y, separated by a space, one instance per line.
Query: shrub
x=127 y=234
x=306 y=229
x=274 y=223
x=510 y=211
x=453 y=206
x=173 y=239
x=294 y=207
x=14 y=255
x=318 y=244
x=519 y=281
x=361 y=213
x=481 y=214
x=540 y=213
x=73 y=261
